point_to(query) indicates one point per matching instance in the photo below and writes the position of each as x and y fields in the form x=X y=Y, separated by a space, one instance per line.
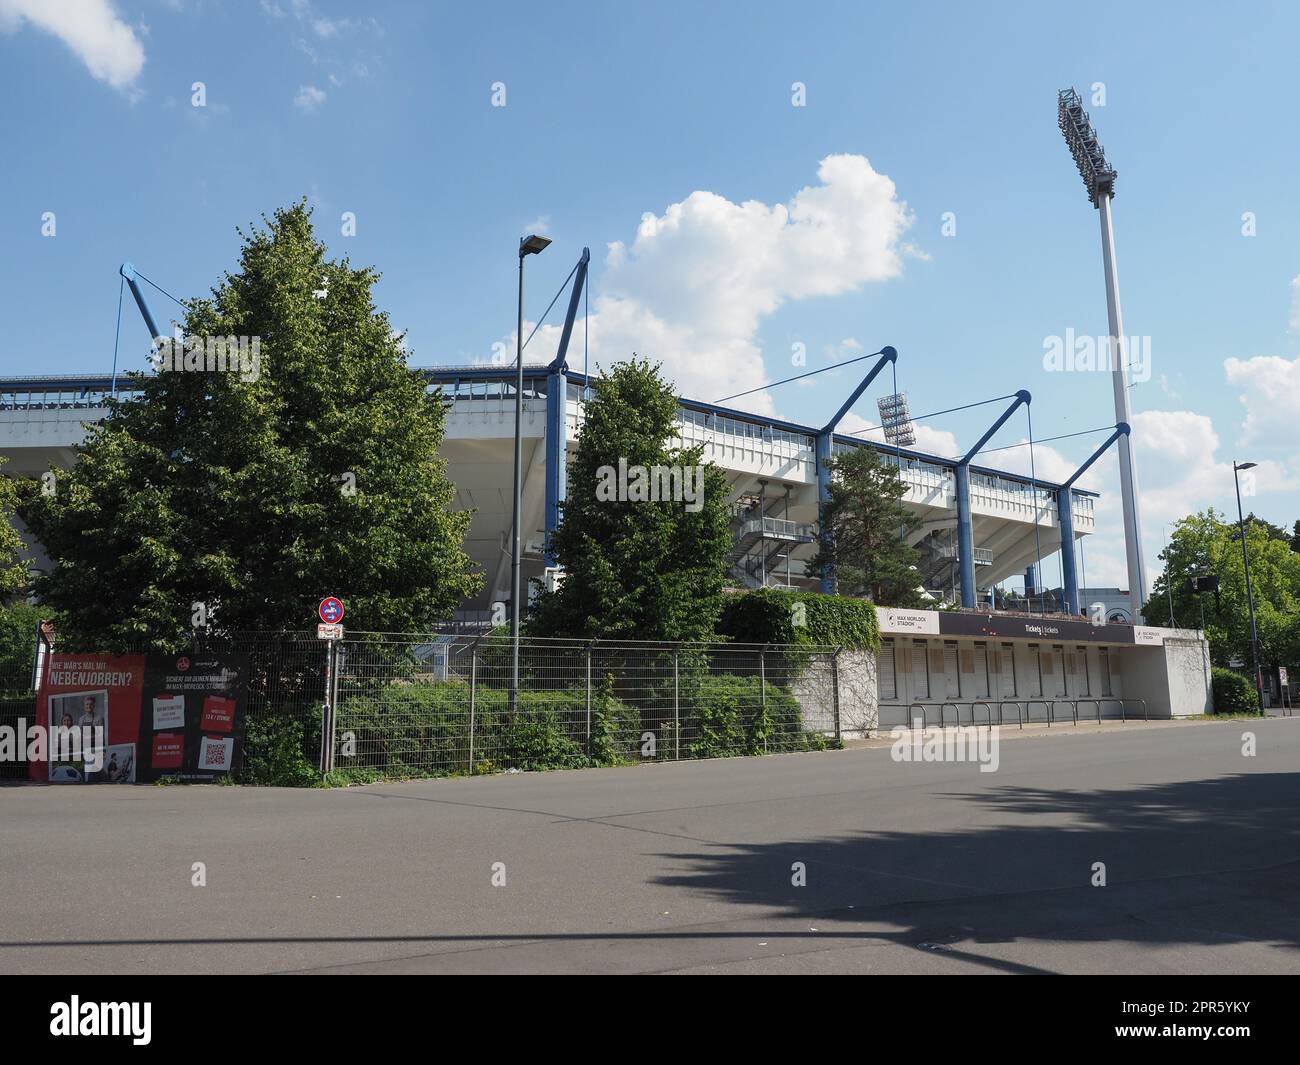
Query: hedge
x=1233 y=692
x=776 y=616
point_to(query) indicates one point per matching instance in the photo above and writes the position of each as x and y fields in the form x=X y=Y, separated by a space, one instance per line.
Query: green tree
x=1206 y=544
x=868 y=522
x=18 y=623
x=256 y=492
x=1275 y=532
x=13 y=562
x=636 y=568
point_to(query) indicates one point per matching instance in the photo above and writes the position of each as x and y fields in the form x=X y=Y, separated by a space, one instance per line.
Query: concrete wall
x=1173 y=678
x=858 y=695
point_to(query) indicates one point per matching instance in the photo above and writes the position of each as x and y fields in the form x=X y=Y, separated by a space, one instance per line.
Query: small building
x=969 y=666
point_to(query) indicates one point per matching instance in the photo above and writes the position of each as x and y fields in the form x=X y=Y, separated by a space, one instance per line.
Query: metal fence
x=391 y=705
x=402 y=705
x=17 y=712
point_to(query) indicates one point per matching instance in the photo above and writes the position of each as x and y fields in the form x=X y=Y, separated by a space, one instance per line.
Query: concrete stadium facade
x=771 y=467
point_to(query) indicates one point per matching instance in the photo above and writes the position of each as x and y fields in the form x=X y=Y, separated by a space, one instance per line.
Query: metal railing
x=1026 y=705
x=779 y=528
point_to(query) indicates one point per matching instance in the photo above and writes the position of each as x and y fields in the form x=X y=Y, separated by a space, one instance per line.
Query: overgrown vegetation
x=423 y=728
x=778 y=616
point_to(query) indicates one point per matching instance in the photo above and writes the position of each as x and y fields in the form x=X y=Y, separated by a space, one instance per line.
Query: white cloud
x=693 y=286
x=309 y=97
x=321 y=25
x=1295 y=303
x=541 y=225
x=1047 y=463
x=91 y=28
x=1180 y=472
x=1271 y=394
x=333 y=27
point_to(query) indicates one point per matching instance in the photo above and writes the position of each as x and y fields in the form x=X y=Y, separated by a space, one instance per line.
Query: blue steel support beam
x=825 y=450
x=887 y=355
x=965 y=531
x=822 y=451
x=128 y=272
x=556 y=402
x=1065 y=517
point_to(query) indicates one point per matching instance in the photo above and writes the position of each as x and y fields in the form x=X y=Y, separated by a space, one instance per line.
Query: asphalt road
x=688 y=867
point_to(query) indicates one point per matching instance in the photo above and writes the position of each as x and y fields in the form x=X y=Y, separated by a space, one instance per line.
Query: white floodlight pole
x=1099 y=179
x=1128 y=483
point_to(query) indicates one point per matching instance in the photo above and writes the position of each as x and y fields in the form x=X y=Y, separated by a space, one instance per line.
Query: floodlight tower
x=1099 y=179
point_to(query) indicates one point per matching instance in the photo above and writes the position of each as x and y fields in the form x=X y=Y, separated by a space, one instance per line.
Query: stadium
x=771 y=467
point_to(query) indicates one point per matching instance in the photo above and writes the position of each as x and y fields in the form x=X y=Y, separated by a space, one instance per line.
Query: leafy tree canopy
x=868 y=522
x=256 y=492
x=636 y=568
x=13 y=565
x=1208 y=544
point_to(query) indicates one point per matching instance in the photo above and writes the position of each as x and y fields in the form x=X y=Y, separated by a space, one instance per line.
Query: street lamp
x=530 y=245
x=1250 y=598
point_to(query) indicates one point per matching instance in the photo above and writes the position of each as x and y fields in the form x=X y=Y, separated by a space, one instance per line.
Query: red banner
x=97 y=698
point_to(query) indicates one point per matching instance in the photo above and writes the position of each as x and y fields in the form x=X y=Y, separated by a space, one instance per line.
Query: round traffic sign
x=330 y=610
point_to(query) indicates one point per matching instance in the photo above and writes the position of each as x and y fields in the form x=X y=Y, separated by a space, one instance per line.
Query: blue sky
x=771 y=225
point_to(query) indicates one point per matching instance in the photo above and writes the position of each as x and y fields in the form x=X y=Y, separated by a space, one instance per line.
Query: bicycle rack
x=1095 y=702
x=1011 y=702
x=924 y=724
x=1145 y=717
x=987 y=709
x=955 y=709
x=1038 y=702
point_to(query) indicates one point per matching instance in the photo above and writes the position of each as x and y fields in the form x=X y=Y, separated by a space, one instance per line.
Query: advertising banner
x=90 y=707
x=122 y=719
x=192 y=722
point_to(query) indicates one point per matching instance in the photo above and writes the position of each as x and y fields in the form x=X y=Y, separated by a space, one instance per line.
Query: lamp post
x=530 y=245
x=1250 y=597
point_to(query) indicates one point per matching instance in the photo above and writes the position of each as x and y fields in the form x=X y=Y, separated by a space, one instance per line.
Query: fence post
x=473 y=692
x=588 y=700
x=677 y=714
x=762 y=692
x=327 y=713
x=835 y=693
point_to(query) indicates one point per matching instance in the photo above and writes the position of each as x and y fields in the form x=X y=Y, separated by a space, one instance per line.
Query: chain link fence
x=436 y=705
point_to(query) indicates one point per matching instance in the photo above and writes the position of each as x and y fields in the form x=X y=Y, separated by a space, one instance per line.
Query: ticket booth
x=968 y=667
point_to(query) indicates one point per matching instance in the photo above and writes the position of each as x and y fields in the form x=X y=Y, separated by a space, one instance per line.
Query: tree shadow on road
x=1210 y=862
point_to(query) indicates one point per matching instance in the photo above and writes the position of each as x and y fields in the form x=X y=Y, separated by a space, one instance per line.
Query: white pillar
x=1128 y=482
